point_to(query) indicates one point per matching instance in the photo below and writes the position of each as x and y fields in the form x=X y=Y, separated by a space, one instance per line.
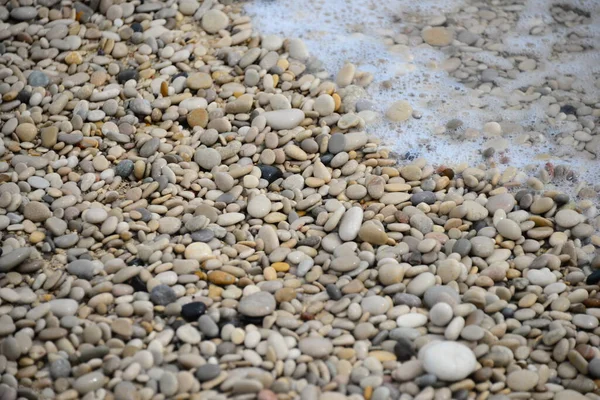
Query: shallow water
x=339 y=31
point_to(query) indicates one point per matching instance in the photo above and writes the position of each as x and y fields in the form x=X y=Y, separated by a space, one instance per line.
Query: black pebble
x=326 y=158
x=137 y=284
x=245 y=320
x=568 y=109
x=593 y=278
x=24 y=96
x=269 y=173
x=508 y=312
x=192 y=311
x=137 y=27
x=403 y=349
x=333 y=291
x=126 y=75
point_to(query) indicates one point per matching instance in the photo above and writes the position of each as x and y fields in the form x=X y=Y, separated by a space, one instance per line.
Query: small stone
x=60 y=368
x=73 y=58
x=214 y=20
x=192 y=311
x=259 y=206
x=399 y=111
x=568 y=218
x=199 y=80
x=404 y=349
x=207 y=372
x=373 y=233
x=438 y=36
x=270 y=173
x=207 y=158
x=316 y=347
x=522 y=380
x=198 y=117
x=26 y=132
x=14 y=258
x=38 y=79
x=126 y=75
x=36 y=211
x=89 y=382
x=259 y=304
x=284 y=119
x=125 y=168
x=162 y=295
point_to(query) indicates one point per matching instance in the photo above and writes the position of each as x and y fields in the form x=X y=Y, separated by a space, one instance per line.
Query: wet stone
x=192 y=311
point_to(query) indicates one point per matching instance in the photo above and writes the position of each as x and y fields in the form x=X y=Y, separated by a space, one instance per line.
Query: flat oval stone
x=284 y=119
x=89 y=382
x=316 y=347
x=258 y=304
x=14 y=258
x=63 y=307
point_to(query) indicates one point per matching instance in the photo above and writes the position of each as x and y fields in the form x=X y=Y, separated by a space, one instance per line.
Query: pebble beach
x=200 y=201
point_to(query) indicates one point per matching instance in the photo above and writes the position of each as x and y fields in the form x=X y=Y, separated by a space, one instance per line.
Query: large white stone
x=449 y=361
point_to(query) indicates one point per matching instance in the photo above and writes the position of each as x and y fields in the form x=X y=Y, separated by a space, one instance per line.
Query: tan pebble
x=270 y=274
x=74 y=58
x=399 y=111
x=437 y=36
x=37 y=237
x=221 y=278
x=198 y=117
x=285 y=294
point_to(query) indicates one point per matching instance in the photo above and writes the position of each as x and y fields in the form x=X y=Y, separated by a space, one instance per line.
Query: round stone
x=162 y=295
x=207 y=372
x=324 y=105
x=441 y=314
x=60 y=368
x=207 y=158
x=522 y=380
x=399 y=111
x=375 y=305
x=124 y=168
x=509 y=229
x=38 y=79
x=437 y=36
x=192 y=311
x=36 y=211
x=26 y=132
x=258 y=304
x=259 y=206
x=197 y=251
x=568 y=218
x=448 y=361
x=198 y=117
x=404 y=349
x=214 y=20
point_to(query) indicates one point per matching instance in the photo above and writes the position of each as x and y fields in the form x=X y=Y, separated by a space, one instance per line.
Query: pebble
x=257 y=305
x=522 y=381
x=457 y=363
x=284 y=119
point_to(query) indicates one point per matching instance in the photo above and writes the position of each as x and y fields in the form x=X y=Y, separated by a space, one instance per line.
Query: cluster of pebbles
x=490 y=48
x=188 y=211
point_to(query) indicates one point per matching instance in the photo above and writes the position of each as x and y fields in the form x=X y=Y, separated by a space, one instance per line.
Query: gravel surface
x=192 y=210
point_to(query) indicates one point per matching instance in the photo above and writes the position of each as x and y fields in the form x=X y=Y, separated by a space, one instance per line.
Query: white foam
x=337 y=31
